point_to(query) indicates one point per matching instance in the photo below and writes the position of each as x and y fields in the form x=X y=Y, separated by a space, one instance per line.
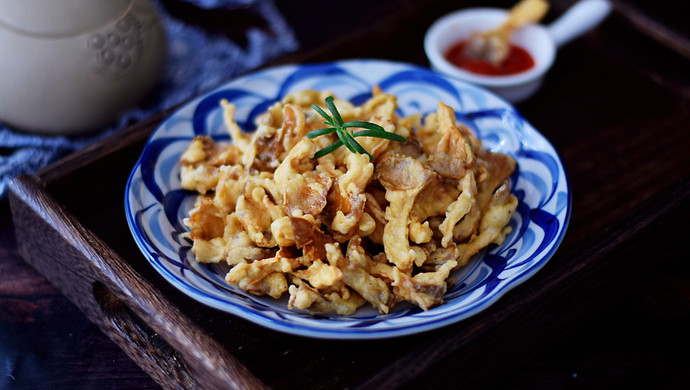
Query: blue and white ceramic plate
x=156 y=205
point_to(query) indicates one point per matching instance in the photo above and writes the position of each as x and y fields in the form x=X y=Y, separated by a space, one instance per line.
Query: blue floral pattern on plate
x=155 y=203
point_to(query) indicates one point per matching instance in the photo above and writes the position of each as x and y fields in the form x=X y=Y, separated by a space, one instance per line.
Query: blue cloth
x=197 y=62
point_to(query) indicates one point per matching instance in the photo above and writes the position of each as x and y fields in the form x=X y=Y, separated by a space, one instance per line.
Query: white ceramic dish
x=541 y=42
x=155 y=204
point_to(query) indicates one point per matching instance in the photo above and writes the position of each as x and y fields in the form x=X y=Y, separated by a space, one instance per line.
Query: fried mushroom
x=354 y=268
x=459 y=208
x=257 y=212
x=304 y=297
x=453 y=155
x=346 y=200
x=257 y=277
x=425 y=289
x=404 y=178
x=493 y=227
x=201 y=160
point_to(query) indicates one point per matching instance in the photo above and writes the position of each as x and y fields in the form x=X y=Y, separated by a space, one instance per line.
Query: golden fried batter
x=343 y=230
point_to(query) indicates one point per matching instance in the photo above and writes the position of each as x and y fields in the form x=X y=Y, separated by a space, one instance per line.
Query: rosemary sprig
x=345 y=133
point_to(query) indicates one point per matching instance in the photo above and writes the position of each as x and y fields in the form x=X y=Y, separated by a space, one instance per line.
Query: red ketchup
x=519 y=60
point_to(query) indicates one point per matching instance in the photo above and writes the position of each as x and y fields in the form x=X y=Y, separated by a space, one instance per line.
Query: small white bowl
x=539 y=41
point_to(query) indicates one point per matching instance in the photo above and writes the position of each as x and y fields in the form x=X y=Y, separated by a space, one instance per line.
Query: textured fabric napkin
x=197 y=61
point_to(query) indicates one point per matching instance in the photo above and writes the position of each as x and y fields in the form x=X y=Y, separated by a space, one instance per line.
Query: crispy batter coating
x=403 y=177
x=259 y=277
x=201 y=162
x=355 y=273
x=347 y=198
x=343 y=231
x=425 y=289
x=257 y=212
x=343 y=302
x=459 y=208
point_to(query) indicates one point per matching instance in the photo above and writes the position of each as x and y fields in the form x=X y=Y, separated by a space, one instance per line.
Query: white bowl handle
x=579 y=19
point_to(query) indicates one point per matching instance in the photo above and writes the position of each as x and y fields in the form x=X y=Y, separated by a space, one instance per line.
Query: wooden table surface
x=616 y=106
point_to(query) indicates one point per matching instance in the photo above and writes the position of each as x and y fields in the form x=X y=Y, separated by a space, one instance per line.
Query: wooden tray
x=70 y=230
x=70 y=225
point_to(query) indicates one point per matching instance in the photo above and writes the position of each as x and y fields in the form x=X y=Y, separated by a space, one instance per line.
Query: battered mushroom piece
x=207 y=226
x=306 y=98
x=366 y=225
x=201 y=160
x=435 y=198
x=265 y=180
x=373 y=209
x=273 y=285
x=320 y=275
x=459 y=208
x=231 y=181
x=206 y=221
x=327 y=164
x=497 y=169
x=257 y=212
x=260 y=155
x=452 y=156
x=252 y=277
x=315 y=249
x=304 y=191
x=404 y=178
x=355 y=274
x=293 y=129
x=493 y=169
x=282 y=231
x=493 y=227
x=239 y=247
x=304 y=297
x=381 y=104
x=468 y=225
x=424 y=289
x=210 y=245
x=420 y=233
x=239 y=139
x=304 y=228
x=427 y=134
x=296 y=163
x=307 y=193
x=346 y=200
x=411 y=148
x=437 y=256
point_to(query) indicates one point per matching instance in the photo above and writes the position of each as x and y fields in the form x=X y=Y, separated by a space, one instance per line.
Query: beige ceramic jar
x=70 y=66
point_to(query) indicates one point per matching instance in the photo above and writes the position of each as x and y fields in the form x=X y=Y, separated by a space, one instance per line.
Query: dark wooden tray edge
x=168 y=346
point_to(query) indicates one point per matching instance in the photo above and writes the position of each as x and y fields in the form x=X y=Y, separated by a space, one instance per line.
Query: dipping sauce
x=519 y=60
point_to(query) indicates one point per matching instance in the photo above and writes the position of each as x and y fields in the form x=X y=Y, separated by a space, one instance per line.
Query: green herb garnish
x=345 y=134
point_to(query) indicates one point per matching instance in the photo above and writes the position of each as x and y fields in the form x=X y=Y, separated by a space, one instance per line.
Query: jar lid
x=60 y=18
